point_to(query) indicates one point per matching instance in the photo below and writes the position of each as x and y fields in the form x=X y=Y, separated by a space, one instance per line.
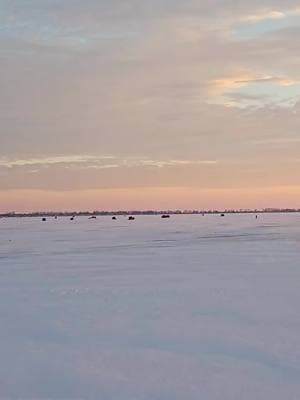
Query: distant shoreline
x=145 y=212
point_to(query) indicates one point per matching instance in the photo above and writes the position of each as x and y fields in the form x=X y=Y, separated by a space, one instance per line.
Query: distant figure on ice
x=93 y=217
x=131 y=218
x=165 y=216
x=44 y=219
x=114 y=218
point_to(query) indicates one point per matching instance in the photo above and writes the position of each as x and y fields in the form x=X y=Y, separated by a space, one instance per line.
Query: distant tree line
x=145 y=212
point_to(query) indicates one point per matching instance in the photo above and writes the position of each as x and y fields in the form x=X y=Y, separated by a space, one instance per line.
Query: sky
x=147 y=105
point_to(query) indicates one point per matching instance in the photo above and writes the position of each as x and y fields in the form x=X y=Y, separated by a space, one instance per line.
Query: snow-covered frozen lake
x=188 y=308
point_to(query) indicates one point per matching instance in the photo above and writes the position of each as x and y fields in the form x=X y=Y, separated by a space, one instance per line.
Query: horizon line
x=149 y=212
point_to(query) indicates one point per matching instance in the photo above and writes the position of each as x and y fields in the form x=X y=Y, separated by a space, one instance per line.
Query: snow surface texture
x=188 y=308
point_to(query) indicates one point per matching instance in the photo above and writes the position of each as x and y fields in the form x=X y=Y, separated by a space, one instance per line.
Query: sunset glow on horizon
x=168 y=105
x=175 y=198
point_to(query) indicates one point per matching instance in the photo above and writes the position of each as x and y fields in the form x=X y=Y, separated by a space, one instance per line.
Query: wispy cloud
x=269 y=79
x=46 y=161
x=166 y=163
x=254 y=91
x=98 y=162
x=266 y=14
x=220 y=86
